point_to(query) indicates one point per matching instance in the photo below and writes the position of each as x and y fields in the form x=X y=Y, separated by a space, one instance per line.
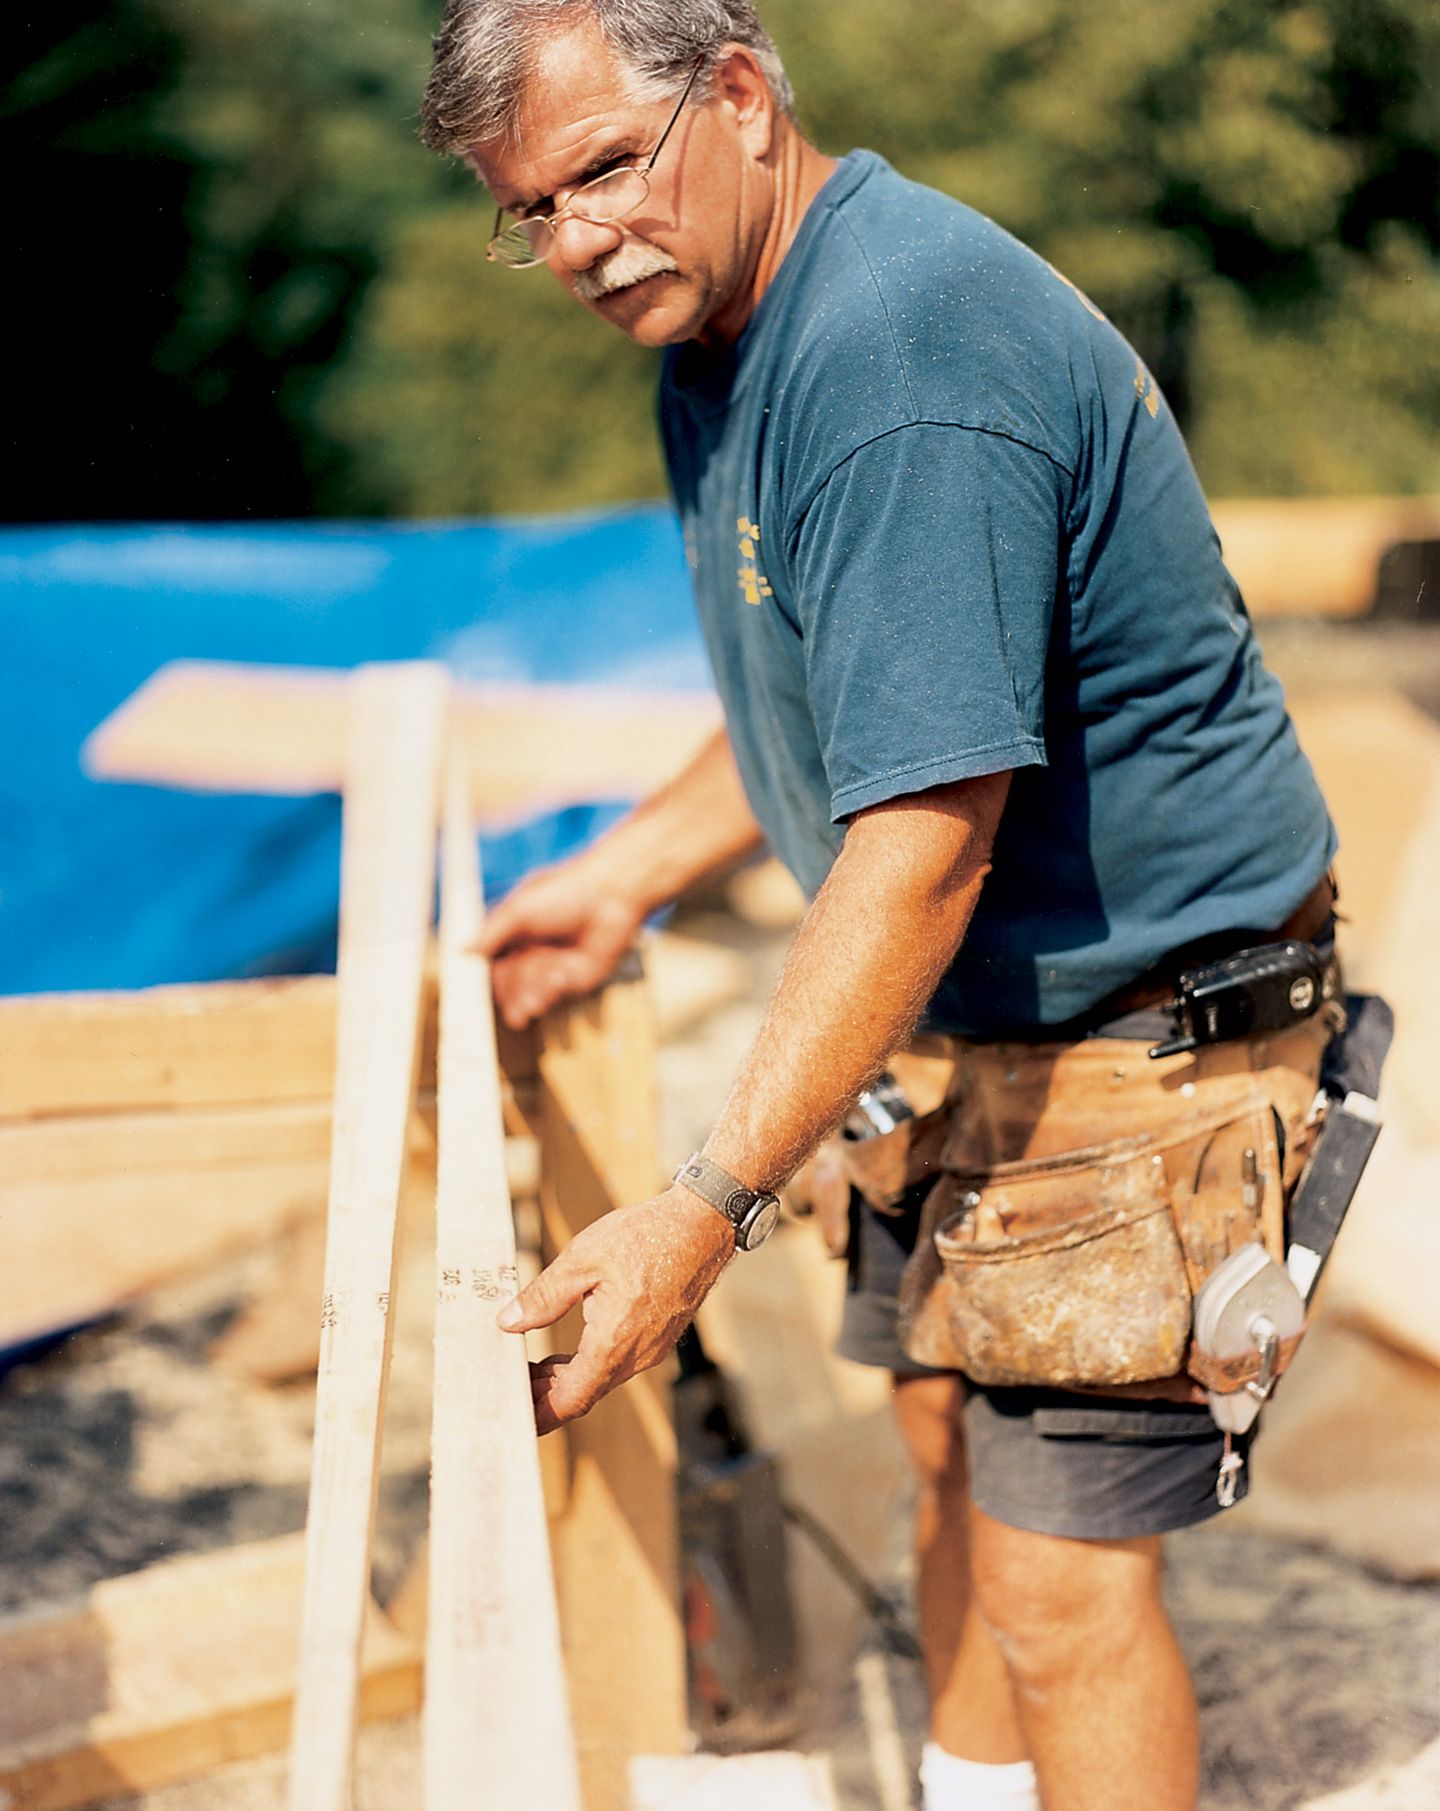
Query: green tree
x=1249 y=189
x=251 y=292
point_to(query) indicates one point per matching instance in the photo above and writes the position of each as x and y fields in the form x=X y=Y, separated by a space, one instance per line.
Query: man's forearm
x=694 y=826
x=872 y=949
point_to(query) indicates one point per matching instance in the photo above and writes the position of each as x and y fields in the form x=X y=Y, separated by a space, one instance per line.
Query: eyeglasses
x=527 y=242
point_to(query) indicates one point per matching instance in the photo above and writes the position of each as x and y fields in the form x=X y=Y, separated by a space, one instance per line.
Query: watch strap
x=724 y=1193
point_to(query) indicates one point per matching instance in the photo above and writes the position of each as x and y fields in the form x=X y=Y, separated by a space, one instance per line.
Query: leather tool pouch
x=1077 y=1269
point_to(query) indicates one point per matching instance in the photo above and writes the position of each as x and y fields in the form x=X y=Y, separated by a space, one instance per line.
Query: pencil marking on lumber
x=496 y=1706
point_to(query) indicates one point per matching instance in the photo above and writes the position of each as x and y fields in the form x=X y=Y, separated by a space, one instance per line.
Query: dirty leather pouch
x=1076 y=1269
x=1087 y=1282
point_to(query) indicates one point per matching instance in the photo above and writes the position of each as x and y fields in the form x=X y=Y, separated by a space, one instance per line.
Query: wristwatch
x=752 y=1212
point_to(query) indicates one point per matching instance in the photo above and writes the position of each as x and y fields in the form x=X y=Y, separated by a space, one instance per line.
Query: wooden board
x=167 y=1673
x=496 y=1707
x=205 y=1044
x=386 y=896
x=616 y=1543
x=714 y=1782
x=96 y=1210
x=68 y=1149
x=87 y=1146
x=75 y=1251
x=1317 y=556
x=214 y=1044
x=214 y=726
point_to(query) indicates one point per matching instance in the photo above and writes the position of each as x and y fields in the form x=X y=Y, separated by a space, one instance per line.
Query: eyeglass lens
x=607 y=198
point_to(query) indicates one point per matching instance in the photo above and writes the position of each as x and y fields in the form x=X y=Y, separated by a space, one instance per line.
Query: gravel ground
x=1315 y=1674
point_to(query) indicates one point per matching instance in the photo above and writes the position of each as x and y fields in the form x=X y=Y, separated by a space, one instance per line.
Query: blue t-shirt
x=941 y=524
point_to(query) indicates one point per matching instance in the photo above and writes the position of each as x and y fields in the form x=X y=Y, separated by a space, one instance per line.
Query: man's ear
x=741 y=83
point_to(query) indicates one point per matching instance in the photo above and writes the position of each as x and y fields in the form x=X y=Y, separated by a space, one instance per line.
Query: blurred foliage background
x=247 y=291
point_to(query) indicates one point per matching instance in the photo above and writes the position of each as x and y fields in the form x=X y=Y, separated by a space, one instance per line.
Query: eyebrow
x=624 y=146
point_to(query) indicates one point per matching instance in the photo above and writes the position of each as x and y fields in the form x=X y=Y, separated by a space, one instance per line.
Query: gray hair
x=484 y=50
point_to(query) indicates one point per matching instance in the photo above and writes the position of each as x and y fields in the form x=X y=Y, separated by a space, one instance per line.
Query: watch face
x=758 y=1224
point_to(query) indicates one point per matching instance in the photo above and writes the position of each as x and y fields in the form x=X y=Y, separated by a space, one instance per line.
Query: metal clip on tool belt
x=1250 y=1313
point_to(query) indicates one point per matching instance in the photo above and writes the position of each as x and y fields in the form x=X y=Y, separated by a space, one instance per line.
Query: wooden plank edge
x=497 y=1705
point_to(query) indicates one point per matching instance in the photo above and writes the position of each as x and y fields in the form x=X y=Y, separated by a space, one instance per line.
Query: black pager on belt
x=1268 y=988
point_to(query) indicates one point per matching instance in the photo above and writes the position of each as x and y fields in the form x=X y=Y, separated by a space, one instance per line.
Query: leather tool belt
x=1053 y=1251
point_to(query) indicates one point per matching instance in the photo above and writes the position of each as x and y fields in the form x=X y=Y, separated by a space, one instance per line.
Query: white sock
x=949 y=1783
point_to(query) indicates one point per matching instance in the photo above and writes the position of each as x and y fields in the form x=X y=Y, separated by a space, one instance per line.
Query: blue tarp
x=105 y=885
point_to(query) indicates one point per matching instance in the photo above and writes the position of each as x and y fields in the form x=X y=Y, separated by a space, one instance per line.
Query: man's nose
x=578 y=243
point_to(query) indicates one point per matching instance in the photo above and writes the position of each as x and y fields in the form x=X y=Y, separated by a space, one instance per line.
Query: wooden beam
x=214 y=1044
x=716 y=1782
x=83 y=1147
x=97 y=1209
x=71 y=1252
x=495 y=1704
x=1317 y=556
x=386 y=896
x=69 y=1149
x=204 y=1044
x=166 y=1673
x=222 y=727
x=616 y=1542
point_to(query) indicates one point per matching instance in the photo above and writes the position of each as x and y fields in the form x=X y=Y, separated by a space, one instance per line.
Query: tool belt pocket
x=1077 y=1270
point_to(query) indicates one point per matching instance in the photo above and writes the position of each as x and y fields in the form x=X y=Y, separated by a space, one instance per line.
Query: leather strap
x=1226 y=1375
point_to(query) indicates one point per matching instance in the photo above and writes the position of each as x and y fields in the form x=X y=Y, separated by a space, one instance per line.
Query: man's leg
x=972 y=1707
x=1103 y=1695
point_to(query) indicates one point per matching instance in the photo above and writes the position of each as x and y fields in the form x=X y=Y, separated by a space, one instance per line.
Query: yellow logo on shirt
x=1145 y=388
x=753 y=583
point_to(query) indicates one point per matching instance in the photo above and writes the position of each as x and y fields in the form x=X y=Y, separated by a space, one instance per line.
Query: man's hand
x=560 y=934
x=639 y=1274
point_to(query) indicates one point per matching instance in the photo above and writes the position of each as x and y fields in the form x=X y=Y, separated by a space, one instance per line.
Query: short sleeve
x=925 y=571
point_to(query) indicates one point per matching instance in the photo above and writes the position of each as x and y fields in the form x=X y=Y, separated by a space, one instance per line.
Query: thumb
x=540 y=1304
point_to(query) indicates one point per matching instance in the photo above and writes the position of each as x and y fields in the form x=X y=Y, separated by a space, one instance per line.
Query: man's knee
x=1054 y=1605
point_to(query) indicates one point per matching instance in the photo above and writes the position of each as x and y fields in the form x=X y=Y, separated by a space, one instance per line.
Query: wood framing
x=219 y=1044
x=616 y=1544
x=386 y=897
x=104 y=1145
x=495 y=1703
x=165 y=1673
x=222 y=1043
x=99 y=1208
x=71 y=1252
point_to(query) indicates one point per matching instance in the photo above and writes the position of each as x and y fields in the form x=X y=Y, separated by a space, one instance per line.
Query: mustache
x=629 y=263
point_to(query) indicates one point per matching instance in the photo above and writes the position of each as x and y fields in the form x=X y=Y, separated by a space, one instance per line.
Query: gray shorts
x=1087 y=1467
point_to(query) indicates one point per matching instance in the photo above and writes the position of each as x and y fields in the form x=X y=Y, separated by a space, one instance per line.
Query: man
x=991 y=695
